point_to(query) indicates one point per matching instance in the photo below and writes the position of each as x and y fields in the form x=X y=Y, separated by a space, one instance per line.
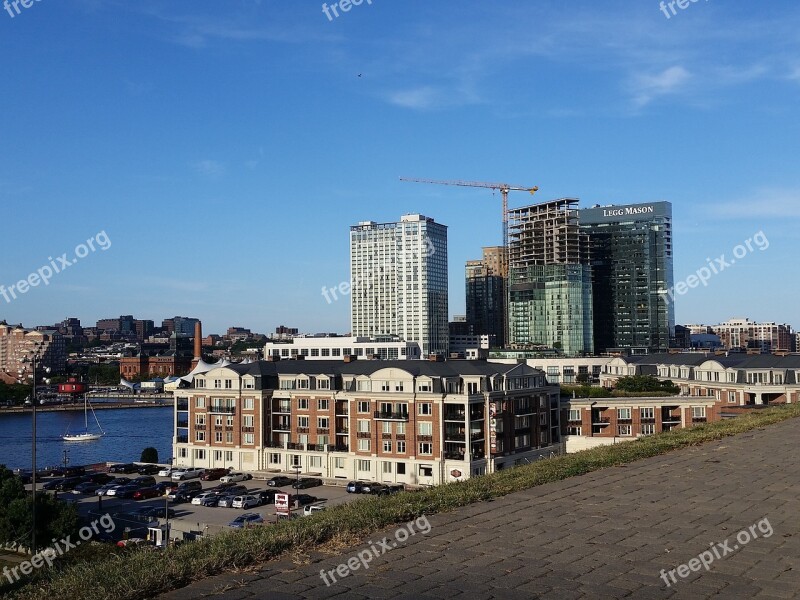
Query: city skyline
x=376 y=93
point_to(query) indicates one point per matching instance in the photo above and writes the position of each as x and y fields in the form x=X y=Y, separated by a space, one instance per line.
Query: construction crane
x=503 y=187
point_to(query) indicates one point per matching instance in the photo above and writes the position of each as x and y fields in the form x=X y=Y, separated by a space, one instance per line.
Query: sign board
x=282 y=504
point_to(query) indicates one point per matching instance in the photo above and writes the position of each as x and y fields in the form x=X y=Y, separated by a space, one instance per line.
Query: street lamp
x=297 y=469
x=32 y=360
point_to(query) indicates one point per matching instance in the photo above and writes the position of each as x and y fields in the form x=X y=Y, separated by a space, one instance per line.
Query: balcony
x=183 y=424
x=401 y=436
x=449 y=436
x=315 y=447
x=454 y=456
x=476 y=416
x=455 y=416
x=363 y=435
x=323 y=430
x=342 y=410
x=602 y=421
x=341 y=448
x=200 y=426
x=344 y=431
x=424 y=438
x=218 y=428
x=282 y=408
x=303 y=430
x=282 y=426
x=222 y=410
x=182 y=405
x=269 y=444
x=699 y=419
x=248 y=429
x=390 y=416
x=295 y=446
x=524 y=410
x=386 y=436
x=182 y=439
x=476 y=435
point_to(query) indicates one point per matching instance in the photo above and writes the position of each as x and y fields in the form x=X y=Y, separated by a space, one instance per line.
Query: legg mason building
x=630 y=249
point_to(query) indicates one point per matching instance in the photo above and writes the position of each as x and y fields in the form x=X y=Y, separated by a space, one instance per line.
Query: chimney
x=198 y=340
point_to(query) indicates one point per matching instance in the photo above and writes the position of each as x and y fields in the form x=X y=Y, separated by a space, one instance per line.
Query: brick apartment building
x=17 y=345
x=411 y=422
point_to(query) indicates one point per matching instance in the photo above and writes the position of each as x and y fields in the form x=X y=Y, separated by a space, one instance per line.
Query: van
x=186 y=490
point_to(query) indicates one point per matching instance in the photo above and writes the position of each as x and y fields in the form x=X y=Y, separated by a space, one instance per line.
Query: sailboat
x=86 y=435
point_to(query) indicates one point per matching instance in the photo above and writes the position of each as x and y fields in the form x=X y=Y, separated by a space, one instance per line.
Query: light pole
x=32 y=360
x=297 y=469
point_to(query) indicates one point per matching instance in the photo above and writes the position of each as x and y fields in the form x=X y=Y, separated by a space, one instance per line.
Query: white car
x=166 y=472
x=205 y=498
x=182 y=474
x=244 y=502
x=310 y=509
x=232 y=477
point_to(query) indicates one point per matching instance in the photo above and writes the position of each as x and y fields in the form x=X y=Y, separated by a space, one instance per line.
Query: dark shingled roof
x=453 y=368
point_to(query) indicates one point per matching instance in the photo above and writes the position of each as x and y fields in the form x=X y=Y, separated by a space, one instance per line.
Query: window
x=698 y=412
x=228 y=456
x=315 y=352
x=218 y=437
x=218 y=384
x=648 y=428
x=363 y=406
x=387 y=446
x=425 y=471
x=302 y=421
x=364 y=386
x=323 y=422
x=302 y=384
x=398 y=386
x=731 y=397
x=302 y=404
x=229 y=421
x=401 y=447
x=199 y=454
x=323 y=404
x=401 y=429
x=182 y=453
x=364 y=465
x=248 y=403
x=401 y=468
x=297 y=460
x=624 y=414
x=363 y=426
x=228 y=437
x=199 y=383
x=623 y=430
x=574 y=414
x=315 y=462
x=249 y=384
x=385 y=386
x=200 y=402
x=249 y=438
x=425 y=408
x=386 y=467
x=275 y=458
x=199 y=436
x=573 y=431
x=647 y=412
x=326 y=352
x=425 y=428
x=338 y=462
x=425 y=448
x=364 y=445
x=386 y=427
x=228 y=384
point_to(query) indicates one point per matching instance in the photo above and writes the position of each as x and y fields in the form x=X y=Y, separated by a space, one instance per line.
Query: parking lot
x=205 y=519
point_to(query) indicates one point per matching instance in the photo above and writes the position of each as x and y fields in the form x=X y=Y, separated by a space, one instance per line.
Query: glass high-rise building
x=631 y=257
x=486 y=294
x=549 y=288
x=399 y=281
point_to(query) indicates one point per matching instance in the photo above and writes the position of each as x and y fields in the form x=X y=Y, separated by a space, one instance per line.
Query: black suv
x=122 y=468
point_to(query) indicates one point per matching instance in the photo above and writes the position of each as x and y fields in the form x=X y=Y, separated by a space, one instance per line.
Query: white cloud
x=646 y=88
x=209 y=168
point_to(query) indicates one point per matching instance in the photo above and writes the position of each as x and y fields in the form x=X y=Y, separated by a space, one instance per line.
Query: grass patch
x=143 y=573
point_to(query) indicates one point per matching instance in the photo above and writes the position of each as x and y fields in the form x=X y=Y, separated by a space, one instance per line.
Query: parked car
x=74 y=471
x=164 y=487
x=100 y=478
x=183 y=474
x=52 y=484
x=226 y=501
x=235 y=476
x=124 y=491
x=148 y=469
x=306 y=482
x=122 y=468
x=311 y=509
x=145 y=480
x=371 y=488
x=213 y=474
x=166 y=472
x=114 y=483
x=185 y=491
x=388 y=490
x=205 y=499
x=303 y=499
x=161 y=512
x=246 y=520
x=280 y=480
x=87 y=487
x=355 y=487
x=68 y=484
x=268 y=496
x=146 y=493
x=247 y=501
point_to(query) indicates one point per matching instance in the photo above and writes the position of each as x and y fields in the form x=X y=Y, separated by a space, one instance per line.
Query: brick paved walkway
x=603 y=535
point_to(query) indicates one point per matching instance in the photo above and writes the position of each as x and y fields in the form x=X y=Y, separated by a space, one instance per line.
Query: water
x=128 y=432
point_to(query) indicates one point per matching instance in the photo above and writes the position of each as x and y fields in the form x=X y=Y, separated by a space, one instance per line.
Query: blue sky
x=225 y=148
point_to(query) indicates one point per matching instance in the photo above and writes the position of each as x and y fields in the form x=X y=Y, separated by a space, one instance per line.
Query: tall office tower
x=486 y=294
x=631 y=255
x=399 y=281
x=550 y=292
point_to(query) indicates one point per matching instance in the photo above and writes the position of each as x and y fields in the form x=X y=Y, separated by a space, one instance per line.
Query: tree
x=149 y=455
x=645 y=383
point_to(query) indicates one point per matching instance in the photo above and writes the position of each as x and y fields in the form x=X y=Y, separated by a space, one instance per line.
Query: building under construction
x=550 y=291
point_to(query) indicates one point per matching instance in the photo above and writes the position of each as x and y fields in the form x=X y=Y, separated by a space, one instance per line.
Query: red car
x=146 y=492
x=213 y=474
